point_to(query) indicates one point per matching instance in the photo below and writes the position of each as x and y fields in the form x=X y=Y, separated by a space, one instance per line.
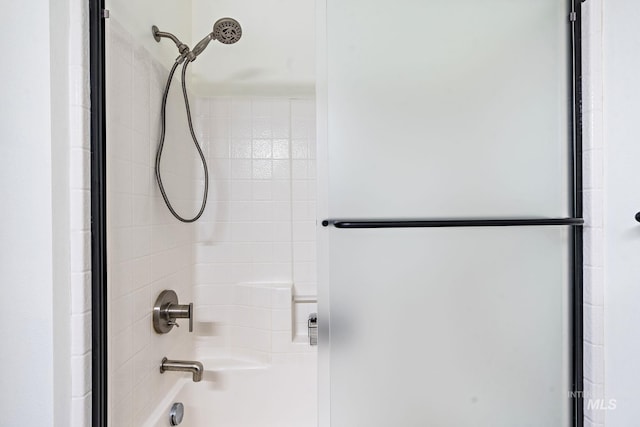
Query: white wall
x=622 y=201
x=34 y=256
x=275 y=56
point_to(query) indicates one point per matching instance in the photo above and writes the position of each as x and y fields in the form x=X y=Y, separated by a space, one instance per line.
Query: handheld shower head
x=225 y=30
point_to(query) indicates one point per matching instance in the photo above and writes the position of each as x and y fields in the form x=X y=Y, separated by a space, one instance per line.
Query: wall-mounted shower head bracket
x=155 y=30
x=158 y=35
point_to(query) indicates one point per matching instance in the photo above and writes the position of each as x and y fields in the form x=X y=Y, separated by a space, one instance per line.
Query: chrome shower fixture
x=225 y=30
x=157 y=35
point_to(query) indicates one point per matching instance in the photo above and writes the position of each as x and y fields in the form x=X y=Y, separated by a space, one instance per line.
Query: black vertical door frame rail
x=98 y=215
x=577 y=257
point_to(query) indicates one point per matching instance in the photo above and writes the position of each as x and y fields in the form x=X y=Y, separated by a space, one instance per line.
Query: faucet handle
x=167 y=310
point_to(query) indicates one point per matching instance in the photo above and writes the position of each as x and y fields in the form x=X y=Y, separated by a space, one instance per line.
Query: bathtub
x=242 y=394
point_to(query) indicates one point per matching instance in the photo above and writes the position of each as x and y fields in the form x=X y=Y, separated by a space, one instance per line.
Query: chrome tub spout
x=193 y=367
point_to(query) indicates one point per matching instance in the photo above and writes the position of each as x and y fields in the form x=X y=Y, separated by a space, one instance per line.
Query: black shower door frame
x=99 y=214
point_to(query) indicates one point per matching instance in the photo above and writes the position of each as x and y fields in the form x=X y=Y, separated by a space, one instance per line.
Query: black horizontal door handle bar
x=439 y=223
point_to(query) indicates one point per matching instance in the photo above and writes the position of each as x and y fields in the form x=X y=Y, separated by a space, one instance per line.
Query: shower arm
x=157 y=35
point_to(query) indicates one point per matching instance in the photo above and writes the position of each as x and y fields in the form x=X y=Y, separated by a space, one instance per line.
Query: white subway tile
x=281 y=297
x=593 y=363
x=304 y=272
x=299 y=169
x=81 y=410
x=81 y=378
x=261 y=127
x=80 y=170
x=593 y=170
x=594 y=286
x=81 y=250
x=281 y=190
x=242 y=295
x=123 y=306
x=142 y=330
x=281 y=169
x=261 y=107
x=299 y=149
x=280 y=127
x=241 y=127
x=220 y=107
x=241 y=190
x=80 y=292
x=262 y=169
x=303 y=108
x=80 y=210
x=79 y=126
x=594 y=325
x=241 y=148
x=80 y=333
x=262 y=149
x=212 y=295
x=593 y=247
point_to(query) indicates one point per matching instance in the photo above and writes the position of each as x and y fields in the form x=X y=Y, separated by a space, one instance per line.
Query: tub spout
x=194 y=367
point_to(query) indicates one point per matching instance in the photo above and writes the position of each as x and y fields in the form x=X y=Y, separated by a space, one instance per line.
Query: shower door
x=450 y=246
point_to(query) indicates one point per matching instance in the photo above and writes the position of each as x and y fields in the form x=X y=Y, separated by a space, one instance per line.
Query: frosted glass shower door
x=449 y=327
x=440 y=112
x=448 y=108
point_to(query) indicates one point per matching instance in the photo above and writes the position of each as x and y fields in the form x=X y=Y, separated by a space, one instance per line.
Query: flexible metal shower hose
x=163 y=114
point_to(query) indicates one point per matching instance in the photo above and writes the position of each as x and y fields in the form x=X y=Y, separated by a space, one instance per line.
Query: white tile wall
x=593 y=211
x=256 y=326
x=148 y=250
x=259 y=231
x=79 y=199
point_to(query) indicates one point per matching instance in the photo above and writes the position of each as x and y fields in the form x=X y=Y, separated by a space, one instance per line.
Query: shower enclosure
x=421 y=199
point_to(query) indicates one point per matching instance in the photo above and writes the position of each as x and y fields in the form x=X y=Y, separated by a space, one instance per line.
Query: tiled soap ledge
x=261 y=322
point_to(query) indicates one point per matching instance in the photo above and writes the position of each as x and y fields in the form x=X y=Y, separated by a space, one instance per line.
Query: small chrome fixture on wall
x=312 y=329
x=166 y=310
x=195 y=368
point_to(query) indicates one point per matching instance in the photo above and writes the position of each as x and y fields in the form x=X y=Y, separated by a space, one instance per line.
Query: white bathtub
x=236 y=394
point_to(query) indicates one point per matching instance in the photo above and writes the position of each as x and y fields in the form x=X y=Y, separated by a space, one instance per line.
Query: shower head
x=225 y=30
